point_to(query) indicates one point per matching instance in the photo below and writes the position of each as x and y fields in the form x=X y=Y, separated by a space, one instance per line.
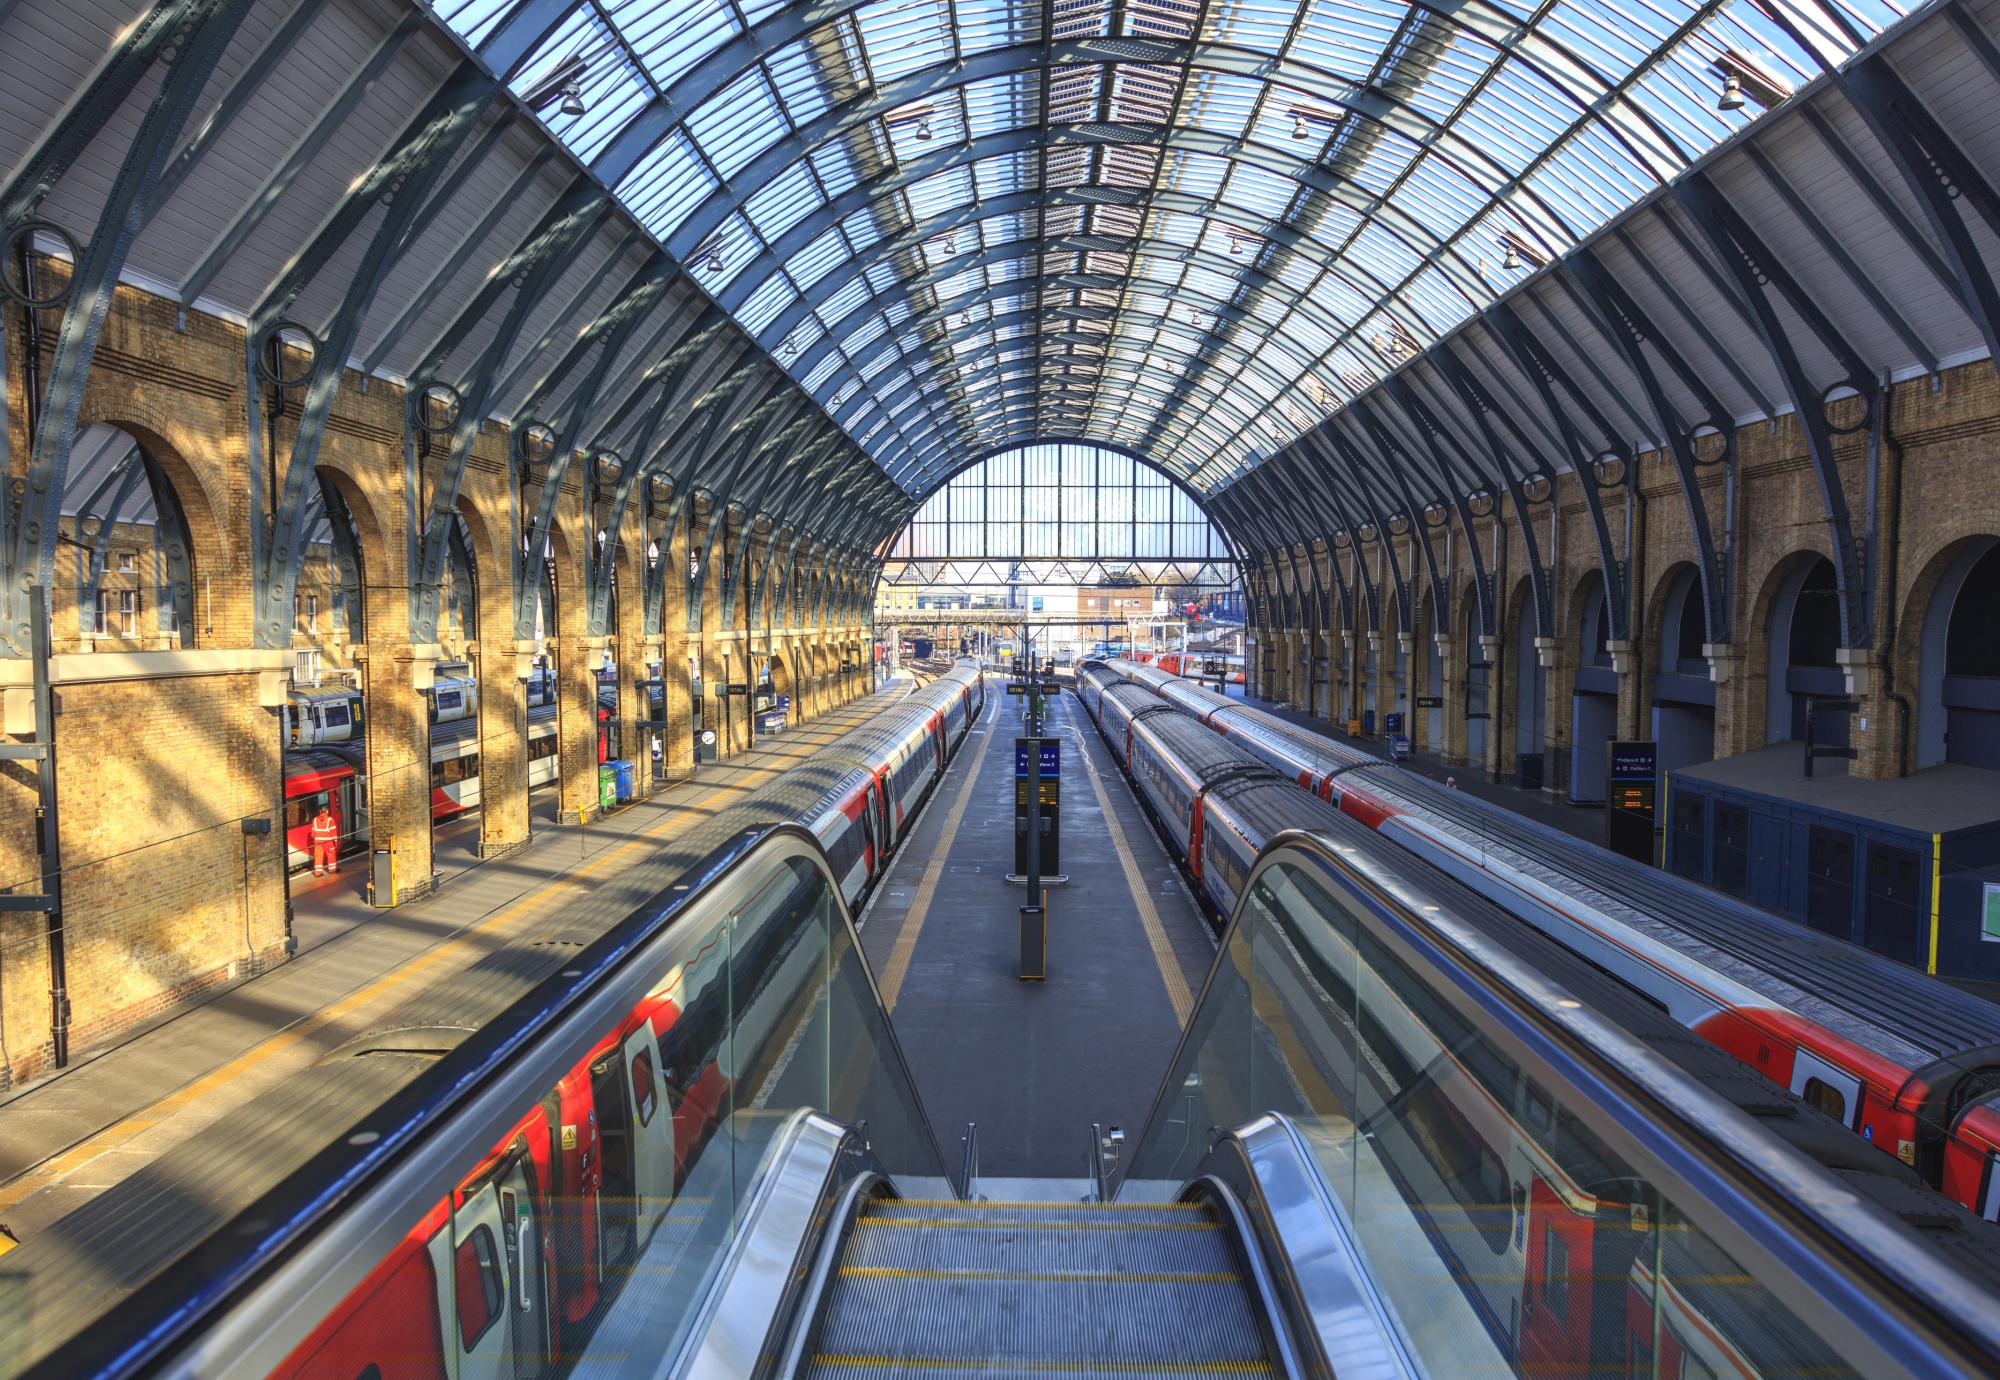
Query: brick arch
x=1656 y=604
x=1758 y=660
x=1518 y=629
x=1917 y=669
x=209 y=549
x=371 y=530
x=1569 y=612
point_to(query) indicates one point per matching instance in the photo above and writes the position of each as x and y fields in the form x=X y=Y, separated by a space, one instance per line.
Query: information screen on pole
x=1051 y=766
x=1631 y=778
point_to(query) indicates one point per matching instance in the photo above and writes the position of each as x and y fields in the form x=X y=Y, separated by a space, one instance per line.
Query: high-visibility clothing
x=326 y=857
x=325 y=829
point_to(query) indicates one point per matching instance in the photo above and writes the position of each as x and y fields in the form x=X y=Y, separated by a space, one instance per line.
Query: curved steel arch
x=1396 y=96
x=511 y=40
x=1295 y=300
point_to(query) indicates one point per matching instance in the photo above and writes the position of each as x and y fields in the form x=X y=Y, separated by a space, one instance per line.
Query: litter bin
x=1528 y=771
x=705 y=747
x=607 y=786
x=624 y=777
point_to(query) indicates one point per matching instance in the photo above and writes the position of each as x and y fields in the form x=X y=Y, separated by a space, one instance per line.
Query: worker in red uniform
x=325 y=842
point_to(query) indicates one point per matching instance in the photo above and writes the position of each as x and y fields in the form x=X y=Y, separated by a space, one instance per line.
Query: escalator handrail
x=1828 y=1253
x=1273 y=1188
x=776 y=1269
x=185 y=1317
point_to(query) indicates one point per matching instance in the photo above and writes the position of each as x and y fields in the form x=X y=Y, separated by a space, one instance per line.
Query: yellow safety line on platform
x=1164 y=958
x=838 y=1360
x=900 y=953
x=31 y=1181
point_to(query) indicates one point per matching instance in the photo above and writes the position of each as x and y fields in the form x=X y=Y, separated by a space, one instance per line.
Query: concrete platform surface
x=65 y=1138
x=1035 y=1063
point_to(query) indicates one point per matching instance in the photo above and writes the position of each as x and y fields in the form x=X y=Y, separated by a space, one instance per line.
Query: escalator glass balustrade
x=1386 y=1146
x=1491 y=1159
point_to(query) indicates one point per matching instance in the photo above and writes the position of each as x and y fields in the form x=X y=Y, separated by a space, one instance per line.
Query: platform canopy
x=1191 y=229
x=1401 y=257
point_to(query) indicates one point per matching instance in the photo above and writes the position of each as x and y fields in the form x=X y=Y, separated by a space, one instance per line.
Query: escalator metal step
x=1038 y=1288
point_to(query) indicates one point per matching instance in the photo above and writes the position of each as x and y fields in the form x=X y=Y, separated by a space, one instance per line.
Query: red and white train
x=1908 y=1062
x=511 y=1272
x=1543 y=1232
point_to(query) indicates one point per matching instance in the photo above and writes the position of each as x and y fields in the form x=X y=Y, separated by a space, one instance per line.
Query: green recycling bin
x=607 y=788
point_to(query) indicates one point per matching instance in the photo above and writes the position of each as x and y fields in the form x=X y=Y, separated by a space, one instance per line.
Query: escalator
x=1387 y=1145
x=836 y=1273
x=1079 y=1288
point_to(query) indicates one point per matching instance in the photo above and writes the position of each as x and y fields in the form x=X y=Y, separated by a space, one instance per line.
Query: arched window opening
x=1816 y=618
x=1061 y=512
x=1958 y=716
x=124 y=564
x=1594 y=694
x=1683 y=694
x=1803 y=637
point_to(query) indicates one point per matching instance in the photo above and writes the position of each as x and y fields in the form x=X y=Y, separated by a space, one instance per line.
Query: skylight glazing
x=962 y=224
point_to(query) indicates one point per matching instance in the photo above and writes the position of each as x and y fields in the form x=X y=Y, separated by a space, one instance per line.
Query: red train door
x=1556 y=1305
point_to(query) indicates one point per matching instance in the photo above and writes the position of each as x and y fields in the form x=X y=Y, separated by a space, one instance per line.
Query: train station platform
x=65 y=1138
x=1034 y=1064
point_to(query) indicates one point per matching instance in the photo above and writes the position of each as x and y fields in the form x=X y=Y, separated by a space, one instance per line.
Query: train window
x=645 y=1088
x=447 y=699
x=300 y=809
x=1540 y=1111
x=336 y=716
x=1827 y=1098
x=437 y=775
x=479 y=1288
x=1555 y=1272
x=1492 y=1209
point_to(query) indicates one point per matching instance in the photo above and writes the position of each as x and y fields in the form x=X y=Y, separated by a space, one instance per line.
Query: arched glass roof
x=1188 y=227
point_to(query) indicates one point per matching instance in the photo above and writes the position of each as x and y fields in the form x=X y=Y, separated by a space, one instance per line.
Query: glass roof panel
x=1330 y=174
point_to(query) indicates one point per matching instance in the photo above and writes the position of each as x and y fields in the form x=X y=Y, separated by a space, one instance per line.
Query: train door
x=497 y=1287
x=871 y=837
x=1556 y=1324
x=521 y=1238
x=652 y=1128
x=618 y=1183
x=886 y=832
x=1833 y=1091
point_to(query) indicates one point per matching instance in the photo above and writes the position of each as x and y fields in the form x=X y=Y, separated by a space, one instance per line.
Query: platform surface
x=1035 y=1063
x=1936 y=800
x=65 y=1138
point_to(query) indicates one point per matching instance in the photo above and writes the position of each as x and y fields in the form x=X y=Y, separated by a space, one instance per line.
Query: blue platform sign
x=1051 y=758
x=1634 y=760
